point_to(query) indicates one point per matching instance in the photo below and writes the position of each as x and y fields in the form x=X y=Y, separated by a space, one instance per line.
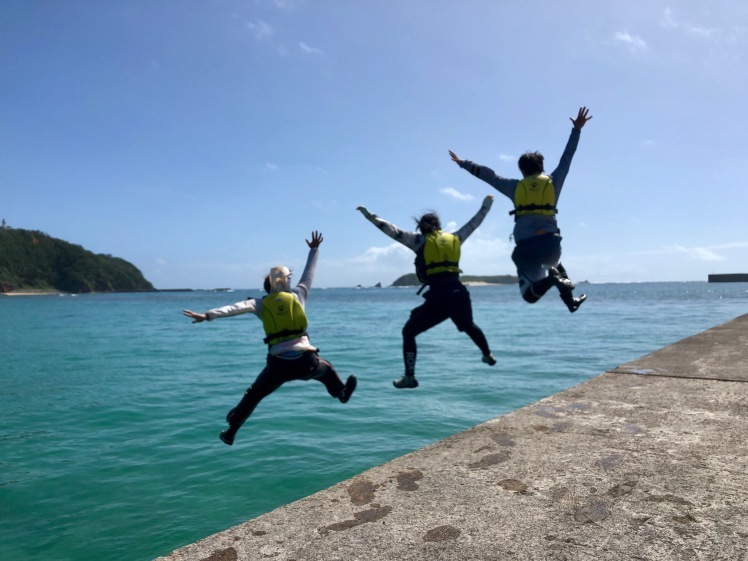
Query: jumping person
x=290 y=354
x=537 y=253
x=437 y=265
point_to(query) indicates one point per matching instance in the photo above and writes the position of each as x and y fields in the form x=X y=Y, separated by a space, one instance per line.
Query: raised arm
x=305 y=282
x=411 y=240
x=559 y=174
x=472 y=224
x=503 y=185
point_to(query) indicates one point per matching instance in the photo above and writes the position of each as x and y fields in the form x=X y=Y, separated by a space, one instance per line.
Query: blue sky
x=204 y=141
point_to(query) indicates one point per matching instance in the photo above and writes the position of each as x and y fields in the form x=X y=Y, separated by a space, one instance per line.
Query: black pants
x=450 y=301
x=309 y=366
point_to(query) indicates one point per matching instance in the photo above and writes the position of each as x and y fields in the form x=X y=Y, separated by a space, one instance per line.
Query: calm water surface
x=111 y=405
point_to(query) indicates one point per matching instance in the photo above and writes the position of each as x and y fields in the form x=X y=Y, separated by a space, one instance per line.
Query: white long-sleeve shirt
x=286 y=349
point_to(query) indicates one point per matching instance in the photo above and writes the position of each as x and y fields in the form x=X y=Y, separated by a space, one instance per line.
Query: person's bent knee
x=530 y=297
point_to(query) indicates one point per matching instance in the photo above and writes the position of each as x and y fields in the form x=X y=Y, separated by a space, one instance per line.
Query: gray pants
x=532 y=257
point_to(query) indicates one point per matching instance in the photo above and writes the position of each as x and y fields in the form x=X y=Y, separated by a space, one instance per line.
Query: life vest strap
x=524 y=208
x=284 y=333
x=442 y=264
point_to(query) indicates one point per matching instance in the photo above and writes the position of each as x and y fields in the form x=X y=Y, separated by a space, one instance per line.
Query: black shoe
x=561 y=281
x=405 y=382
x=227 y=437
x=489 y=359
x=347 y=391
x=576 y=302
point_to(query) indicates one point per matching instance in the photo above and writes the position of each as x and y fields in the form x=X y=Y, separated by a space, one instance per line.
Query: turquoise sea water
x=111 y=405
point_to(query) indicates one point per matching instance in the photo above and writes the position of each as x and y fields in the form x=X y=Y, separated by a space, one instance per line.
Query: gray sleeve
x=305 y=282
x=501 y=184
x=472 y=224
x=411 y=240
x=559 y=174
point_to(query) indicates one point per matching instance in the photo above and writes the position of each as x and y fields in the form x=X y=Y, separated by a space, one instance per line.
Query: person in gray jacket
x=437 y=265
x=290 y=354
x=537 y=253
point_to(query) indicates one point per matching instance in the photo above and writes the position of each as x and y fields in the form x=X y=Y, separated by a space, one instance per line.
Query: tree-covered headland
x=30 y=259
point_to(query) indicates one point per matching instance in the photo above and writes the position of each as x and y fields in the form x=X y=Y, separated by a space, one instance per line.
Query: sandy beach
x=31 y=292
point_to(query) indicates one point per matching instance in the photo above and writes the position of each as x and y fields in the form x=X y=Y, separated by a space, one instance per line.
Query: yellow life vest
x=440 y=254
x=283 y=317
x=534 y=195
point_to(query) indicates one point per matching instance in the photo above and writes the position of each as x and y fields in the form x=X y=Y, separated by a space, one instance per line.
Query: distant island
x=412 y=280
x=32 y=261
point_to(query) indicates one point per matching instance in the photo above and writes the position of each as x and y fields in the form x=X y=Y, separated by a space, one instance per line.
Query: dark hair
x=266 y=284
x=428 y=223
x=531 y=163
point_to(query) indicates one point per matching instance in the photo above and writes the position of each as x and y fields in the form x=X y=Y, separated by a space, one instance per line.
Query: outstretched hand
x=363 y=210
x=316 y=240
x=196 y=318
x=454 y=157
x=582 y=118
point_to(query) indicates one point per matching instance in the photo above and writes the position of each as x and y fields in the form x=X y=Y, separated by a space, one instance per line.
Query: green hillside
x=30 y=259
x=412 y=280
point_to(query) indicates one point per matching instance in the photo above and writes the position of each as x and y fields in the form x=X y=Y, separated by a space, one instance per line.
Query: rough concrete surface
x=646 y=462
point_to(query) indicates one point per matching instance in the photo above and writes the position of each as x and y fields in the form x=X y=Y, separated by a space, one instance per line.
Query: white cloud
x=271 y=166
x=377 y=264
x=286 y=4
x=670 y=23
x=486 y=256
x=703 y=253
x=731 y=245
x=309 y=50
x=633 y=42
x=377 y=254
x=507 y=158
x=316 y=168
x=261 y=30
x=699 y=253
x=455 y=194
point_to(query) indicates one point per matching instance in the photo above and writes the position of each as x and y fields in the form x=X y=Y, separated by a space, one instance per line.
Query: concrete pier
x=648 y=461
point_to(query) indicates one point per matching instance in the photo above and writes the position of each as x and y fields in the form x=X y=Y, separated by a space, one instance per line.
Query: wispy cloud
x=286 y=4
x=633 y=42
x=309 y=50
x=507 y=158
x=260 y=29
x=455 y=194
x=271 y=166
x=670 y=22
x=699 y=253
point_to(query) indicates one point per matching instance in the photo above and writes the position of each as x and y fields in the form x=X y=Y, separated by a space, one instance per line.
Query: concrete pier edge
x=646 y=461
